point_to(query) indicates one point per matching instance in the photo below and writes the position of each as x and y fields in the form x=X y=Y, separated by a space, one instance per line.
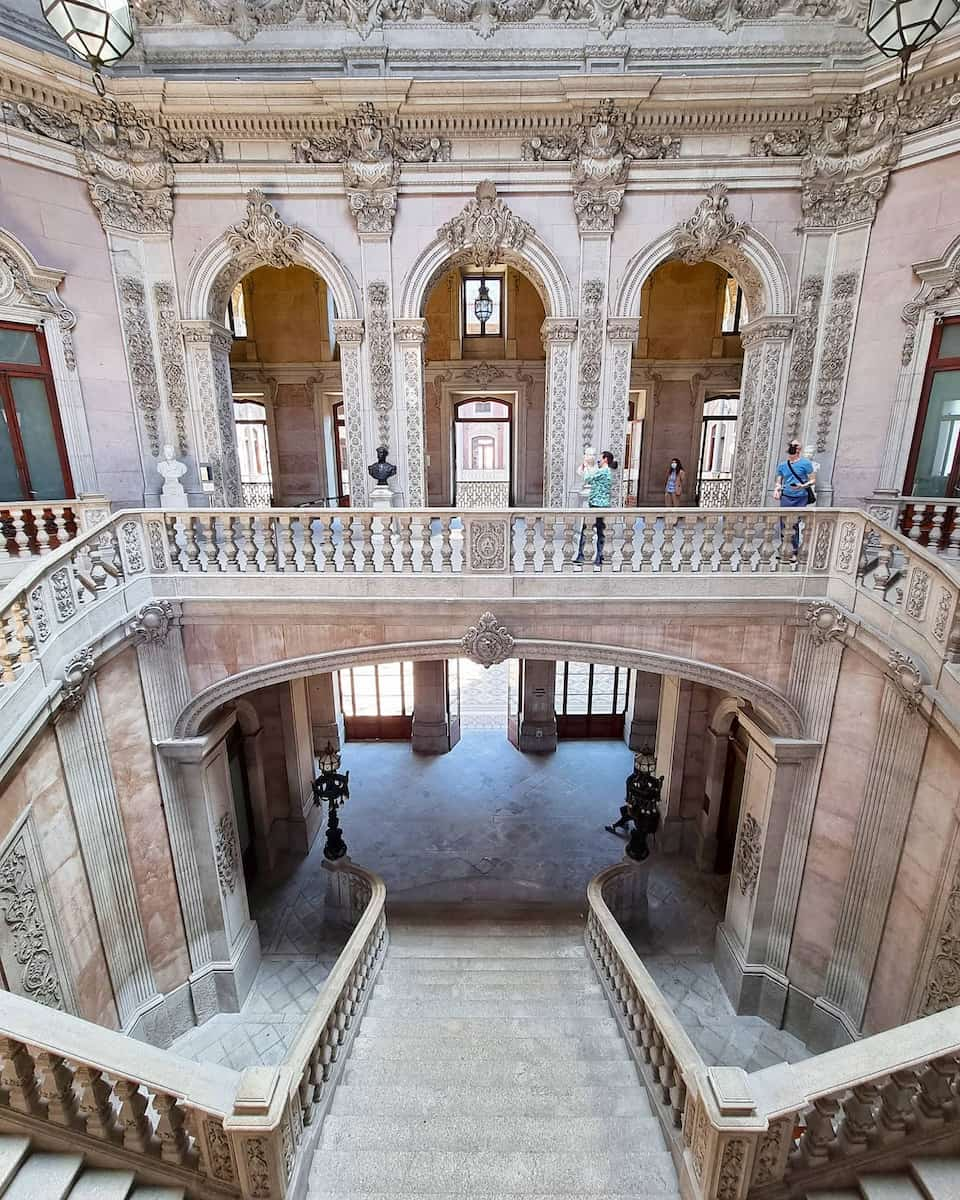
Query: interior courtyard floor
x=485 y=827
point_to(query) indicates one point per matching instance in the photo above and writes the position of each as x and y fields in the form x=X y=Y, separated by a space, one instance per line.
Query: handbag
x=811 y=489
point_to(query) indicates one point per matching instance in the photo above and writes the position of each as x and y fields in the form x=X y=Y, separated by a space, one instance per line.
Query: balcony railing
x=931 y=522
x=32 y=530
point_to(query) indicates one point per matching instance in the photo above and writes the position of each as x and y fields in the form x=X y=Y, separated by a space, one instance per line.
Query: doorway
x=718 y=442
x=729 y=816
x=482 y=453
x=591 y=700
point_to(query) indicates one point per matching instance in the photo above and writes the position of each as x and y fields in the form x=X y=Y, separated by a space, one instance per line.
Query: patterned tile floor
x=485 y=825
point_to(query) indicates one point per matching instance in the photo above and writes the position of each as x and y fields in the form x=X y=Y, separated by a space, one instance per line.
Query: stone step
x=96 y=1184
x=938 y=1178
x=431 y=1028
x=443 y=967
x=890 y=1186
x=576 y=1100
x=493 y=1009
x=465 y=927
x=50 y=1176
x=835 y=1194
x=158 y=1193
x=461 y=1131
x=493 y=1074
x=465 y=989
x=439 y=1172
x=486 y=1047
x=632 y=1194
x=478 y=946
x=13 y=1150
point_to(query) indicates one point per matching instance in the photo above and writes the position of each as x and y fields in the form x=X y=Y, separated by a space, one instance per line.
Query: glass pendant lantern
x=98 y=31
x=483 y=305
x=899 y=27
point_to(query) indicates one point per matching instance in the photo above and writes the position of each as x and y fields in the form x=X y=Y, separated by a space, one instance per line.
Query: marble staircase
x=28 y=1174
x=488 y=1064
x=927 y=1179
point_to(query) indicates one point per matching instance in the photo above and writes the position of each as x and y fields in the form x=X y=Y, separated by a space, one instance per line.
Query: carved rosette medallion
x=487 y=642
x=749 y=850
x=76 y=679
x=827 y=623
x=227 y=853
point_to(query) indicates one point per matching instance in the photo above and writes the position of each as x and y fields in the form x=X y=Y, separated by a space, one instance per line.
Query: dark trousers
x=799 y=501
x=601 y=538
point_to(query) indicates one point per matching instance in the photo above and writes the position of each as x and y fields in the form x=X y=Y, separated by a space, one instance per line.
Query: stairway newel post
x=264 y=1133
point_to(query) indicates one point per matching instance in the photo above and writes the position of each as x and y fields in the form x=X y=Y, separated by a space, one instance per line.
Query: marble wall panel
x=846 y=765
x=39 y=782
x=138 y=793
x=268 y=703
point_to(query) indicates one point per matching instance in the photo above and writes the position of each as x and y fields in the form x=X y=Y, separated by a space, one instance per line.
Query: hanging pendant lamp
x=483 y=305
x=98 y=31
x=898 y=28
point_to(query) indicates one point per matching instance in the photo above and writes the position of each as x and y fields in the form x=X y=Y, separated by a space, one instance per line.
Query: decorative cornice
x=23 y=282
x=941 y=281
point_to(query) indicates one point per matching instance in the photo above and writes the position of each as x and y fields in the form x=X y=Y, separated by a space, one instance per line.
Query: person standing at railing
x=600 y=481
x=795 y=487
x=675 y=484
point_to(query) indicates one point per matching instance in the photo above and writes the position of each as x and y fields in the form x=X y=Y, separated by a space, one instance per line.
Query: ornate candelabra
x=333 y=787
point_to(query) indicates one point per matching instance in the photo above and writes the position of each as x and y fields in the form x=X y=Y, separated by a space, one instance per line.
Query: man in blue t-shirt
x=796 y=476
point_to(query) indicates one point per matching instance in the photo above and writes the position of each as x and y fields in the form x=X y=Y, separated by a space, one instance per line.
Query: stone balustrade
x=931 y=521
x=32 y=530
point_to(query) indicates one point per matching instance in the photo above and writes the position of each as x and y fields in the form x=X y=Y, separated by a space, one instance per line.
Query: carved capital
x=766 y=329
x=622 y=329
x=348 y=331
x=373 y=211
x=827 y=623
x=487 y=642
x=411 y=331
x=596 y=209
x=558 y=330
x=76 y=679
x=152 y=622
x=210 y=333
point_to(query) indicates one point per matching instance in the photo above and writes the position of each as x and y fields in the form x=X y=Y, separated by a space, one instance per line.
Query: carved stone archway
x=712 y=234
x=263 y=238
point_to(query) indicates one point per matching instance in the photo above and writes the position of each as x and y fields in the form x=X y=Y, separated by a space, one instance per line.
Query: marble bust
x=170 y=469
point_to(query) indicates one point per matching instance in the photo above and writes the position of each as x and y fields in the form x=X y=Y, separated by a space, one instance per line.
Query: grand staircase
x=28 y=1174
x=927 y=1179
x=488 y=1064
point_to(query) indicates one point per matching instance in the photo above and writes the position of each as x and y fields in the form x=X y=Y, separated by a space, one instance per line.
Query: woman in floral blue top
x=600 y=481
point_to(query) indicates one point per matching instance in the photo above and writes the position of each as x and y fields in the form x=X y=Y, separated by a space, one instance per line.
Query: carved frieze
x=711 y=227
x=600 y=149
x=125 y=156
x=371 y=149
x=263 y=236
x=381 y=356
x=485 y=228
x=804 y=347
x=140 y=356
x=488 y=642
x=30 y=945
x=591 y=354
x=837 y=335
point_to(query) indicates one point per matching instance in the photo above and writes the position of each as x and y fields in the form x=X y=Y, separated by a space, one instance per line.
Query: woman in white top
x=674 y=487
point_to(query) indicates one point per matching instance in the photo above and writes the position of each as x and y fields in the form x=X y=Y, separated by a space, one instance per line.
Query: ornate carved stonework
x=837 y=335
x=710 y=228
x=732 y=1165
x=76 y=679
x=171 y=359
x=140 y=357
x=263 y=236
x=591 y=354
x=905 y=674
x=124 y=155
x=381 y=356
x=152 y=622
x=600 y=149
x=804 y=346
x=487 y=642
x=488 y=546
x=749 y=849
x=827 y=623
x=227 y=853
x=485 y=228
x=17 y=287
x=23 y=916
x=930 y=294
x=942 y=988
x=371 y=147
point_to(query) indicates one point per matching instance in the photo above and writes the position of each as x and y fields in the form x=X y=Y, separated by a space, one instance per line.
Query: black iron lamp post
x=643 y=803
x=98 y=31
x=483 y=305
x=899 y=27
x=333 y=787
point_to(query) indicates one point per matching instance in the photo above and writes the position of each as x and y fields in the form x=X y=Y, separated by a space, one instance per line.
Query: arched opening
x=287 y=388
x=484 y=379
x=685 y=386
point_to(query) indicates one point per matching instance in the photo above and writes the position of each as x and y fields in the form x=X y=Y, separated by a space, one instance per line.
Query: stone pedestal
x=433 y=731
x=381 y=497
x=538 y=718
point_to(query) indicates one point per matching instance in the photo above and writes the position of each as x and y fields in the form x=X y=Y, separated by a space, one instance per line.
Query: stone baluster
x=860 y=1111
x=446 y=547
x=349 y=546
x=56 y=1089
x=20 y=537
x=728 y=547
x=647 y=546
x=60 y=534
x=173 y=544
x=896 y=1105
x=406 y=543
x=328 y=548
x=211 y=551
x=18 y=1078
x=20 y=632
x=248 y=543
x=424 y=529
x=688 y=525
x=667 y=548
x=40 y=531
x=952 y=548
x=387 y=547
x=937 y=1101
x=768 y=546
x=530 y=544
x=308 y=549
x=288 y=548
x=628 y=549
x=174 y=1143
x=709 y=521
x=569 y=540
x=788 y=522
x=271 y=558
x=94 y=1104
x=132 y=1115
x=819 y=1138
x=366 y=542
x=191 y=550
x=231 y=551
x=883 y=573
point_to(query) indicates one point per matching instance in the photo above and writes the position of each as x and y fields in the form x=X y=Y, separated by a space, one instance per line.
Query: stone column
x=201 y=773
x=640 y=729
x=410 y=336
x=672 y=716
x=96 y=811
x=432 y=731
x=832 y=263
x=559 y=439
x=761 y=405
x=774 y=773
x=881 y=827
x=621 y=338
x=325 y=717
x=304 y=818
x=360 y=452
x=538 y=717
x=208 y=365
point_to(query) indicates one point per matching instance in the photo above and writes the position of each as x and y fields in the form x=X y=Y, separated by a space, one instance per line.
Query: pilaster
x=208 y=364
x=433 y=731
x=764 y=350
x=349 y=334
x=538 y=718
x=559 y=335
x=410 y=336
x=888 y=800
x=96 y=809
x=621 y=338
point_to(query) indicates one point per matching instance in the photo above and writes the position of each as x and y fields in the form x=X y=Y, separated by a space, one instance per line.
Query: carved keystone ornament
x=827 y=623
x=152 y=622
x=487 y=642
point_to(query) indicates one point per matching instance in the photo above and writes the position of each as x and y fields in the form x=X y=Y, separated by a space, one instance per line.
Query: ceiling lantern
x=899 y=27
x=483 y=305
x=98 y=31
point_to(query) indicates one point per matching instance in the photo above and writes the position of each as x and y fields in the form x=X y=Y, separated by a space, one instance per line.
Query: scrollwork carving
x=381 y=356
x=749 y=851
x=152 y=622
x=804 y=348
x=827 y=623
x=904 y=673
x=837 y=334
x=488 y=642
x=76 y=679
x=263 y=236
x=227 y=853
x=23 y=916
x=591 y=354
x=171 y=359
x=485 y=228
x=711 y=227
x=140 y=356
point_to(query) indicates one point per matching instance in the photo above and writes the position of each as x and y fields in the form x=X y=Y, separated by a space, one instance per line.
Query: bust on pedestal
x=170 y=470
x=382 y=471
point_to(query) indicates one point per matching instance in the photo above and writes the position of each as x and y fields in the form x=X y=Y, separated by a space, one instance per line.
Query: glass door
x=718 y=442
x=482 y=454
x=934 y=467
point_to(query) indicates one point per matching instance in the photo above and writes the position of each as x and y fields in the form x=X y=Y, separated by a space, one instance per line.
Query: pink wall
x=918 y=218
